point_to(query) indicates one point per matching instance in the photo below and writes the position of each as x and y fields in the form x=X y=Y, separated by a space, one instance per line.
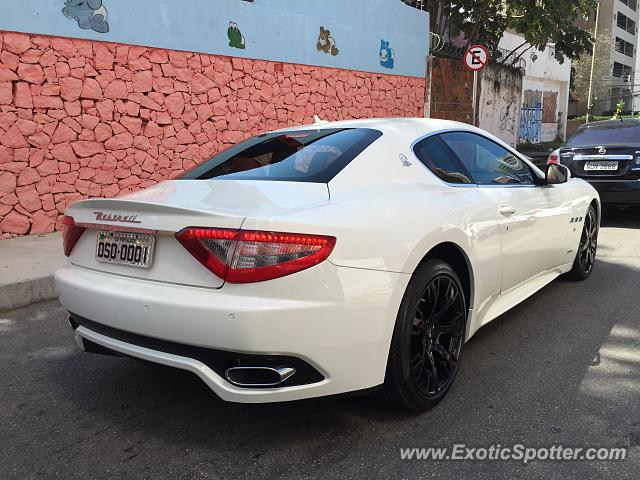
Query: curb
x=21 y=294
x=27 y=266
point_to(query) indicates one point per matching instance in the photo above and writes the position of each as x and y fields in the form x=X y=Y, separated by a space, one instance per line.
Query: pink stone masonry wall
x=85 y=119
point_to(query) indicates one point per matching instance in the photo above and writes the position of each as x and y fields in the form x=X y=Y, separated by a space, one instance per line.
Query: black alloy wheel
x=586 y=256
x=428 y=338
x=437 y=335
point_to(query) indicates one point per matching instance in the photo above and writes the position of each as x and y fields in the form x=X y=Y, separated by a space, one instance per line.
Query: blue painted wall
x=277 y=30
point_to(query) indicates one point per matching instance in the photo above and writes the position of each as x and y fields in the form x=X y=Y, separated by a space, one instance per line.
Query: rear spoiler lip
x=150 y=207
x=85 y=214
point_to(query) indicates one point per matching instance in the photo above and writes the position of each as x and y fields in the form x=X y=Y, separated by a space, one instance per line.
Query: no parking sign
x=476 y=58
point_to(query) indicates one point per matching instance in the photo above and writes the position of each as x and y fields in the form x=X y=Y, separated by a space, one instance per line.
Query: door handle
x=506 y=210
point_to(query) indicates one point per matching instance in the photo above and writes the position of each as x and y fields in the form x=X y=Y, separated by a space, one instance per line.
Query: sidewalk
x=26 y=269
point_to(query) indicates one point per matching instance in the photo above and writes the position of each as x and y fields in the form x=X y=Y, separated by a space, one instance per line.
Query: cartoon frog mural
x=90 y=14
x=326 y=43
x=387 y=55
x=236 y=39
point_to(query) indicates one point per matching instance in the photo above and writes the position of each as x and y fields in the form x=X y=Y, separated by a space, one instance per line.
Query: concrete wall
x=499 y=104
x=82 y=118
x=285 y=31
x=542 y=120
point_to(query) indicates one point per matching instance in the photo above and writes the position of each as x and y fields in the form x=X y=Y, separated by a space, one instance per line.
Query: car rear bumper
x=618 y=191
x=337 y=320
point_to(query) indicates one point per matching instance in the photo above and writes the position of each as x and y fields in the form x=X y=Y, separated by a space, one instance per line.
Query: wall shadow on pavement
x=520 y=382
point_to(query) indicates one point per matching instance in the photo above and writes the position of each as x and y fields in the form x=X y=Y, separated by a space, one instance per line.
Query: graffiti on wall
x=539 y=116
x=236 y=39
x=348 y=39
x=326 y=43
x=387 y=55
x=90 y=14
x=531 y=117
x=500 y=93
x=507 y=120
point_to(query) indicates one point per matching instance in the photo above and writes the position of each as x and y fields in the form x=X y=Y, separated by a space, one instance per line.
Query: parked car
x=326 y=258
x=607 y=155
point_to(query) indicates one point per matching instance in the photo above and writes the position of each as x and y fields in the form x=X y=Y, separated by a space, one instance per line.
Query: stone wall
x=82 y=119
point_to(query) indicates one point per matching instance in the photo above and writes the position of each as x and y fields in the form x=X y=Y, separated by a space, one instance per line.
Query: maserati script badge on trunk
x=114 y=217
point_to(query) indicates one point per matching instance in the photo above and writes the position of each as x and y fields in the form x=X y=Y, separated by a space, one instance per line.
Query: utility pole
x=593 y=61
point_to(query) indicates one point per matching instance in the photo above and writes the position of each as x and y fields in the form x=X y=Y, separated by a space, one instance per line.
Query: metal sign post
x=475 y=60
x=475 y=96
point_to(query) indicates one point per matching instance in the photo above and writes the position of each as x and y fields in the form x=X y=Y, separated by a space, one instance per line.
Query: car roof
x=612 y=124
x=408 y=128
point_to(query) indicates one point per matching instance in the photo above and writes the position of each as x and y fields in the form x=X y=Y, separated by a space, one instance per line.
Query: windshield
x=297 y=156
x=605 y=134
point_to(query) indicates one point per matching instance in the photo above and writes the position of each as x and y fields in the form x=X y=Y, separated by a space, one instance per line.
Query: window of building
x=626 y=23
x=630 y=3
x=621 y=70
x=625 y=47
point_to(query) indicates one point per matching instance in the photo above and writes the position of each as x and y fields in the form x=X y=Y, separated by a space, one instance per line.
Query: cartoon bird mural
x=236 y=39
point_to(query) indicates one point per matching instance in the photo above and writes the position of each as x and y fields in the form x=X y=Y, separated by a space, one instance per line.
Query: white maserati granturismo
x=326 y=258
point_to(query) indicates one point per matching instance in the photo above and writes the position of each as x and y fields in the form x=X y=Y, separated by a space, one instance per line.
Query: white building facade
x=545 y=93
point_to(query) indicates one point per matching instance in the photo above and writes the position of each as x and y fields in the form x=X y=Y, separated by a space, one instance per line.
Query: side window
x=487 y=162
x=440 y=160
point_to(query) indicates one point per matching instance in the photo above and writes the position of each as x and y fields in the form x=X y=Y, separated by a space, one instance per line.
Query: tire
x=428 y=338
x=586 y=254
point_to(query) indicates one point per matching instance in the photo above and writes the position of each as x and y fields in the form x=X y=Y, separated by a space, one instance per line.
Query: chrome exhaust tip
x=258 y=376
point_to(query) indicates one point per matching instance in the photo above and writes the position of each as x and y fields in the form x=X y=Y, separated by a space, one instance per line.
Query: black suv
x=607 y=155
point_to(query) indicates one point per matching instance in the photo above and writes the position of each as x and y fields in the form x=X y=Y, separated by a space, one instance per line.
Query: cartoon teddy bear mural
x=236 y=39
x=387 y=55
x=90 y=14
x=326 y=43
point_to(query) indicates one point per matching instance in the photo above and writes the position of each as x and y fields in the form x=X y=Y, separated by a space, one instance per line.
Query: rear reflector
x=70 y=234
x=244 y=256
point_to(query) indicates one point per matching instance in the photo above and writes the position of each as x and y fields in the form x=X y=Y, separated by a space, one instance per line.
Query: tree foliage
x=540 y=22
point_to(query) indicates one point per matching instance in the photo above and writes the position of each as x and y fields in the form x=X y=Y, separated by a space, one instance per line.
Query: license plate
x=125 y=248
x=588 y=166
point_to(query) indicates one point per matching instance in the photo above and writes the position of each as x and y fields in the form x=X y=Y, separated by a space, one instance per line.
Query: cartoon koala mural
x=326 y=43
x=236 y=39
x=387 y=55
x=90 y=14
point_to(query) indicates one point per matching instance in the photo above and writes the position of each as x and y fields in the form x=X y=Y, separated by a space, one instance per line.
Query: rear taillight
x=243 y=256
x=554 y=158
x=70 y=234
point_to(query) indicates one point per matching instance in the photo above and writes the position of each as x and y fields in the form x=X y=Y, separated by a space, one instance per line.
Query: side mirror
x=556 y=174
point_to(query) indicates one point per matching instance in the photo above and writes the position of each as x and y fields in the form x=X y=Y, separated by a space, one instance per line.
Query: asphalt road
x=561 y=368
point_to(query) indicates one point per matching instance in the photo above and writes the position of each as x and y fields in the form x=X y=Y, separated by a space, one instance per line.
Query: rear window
x=294 y=156
x=607 y=134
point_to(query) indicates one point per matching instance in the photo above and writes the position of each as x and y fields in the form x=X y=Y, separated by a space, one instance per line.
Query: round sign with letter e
x=476 y=57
